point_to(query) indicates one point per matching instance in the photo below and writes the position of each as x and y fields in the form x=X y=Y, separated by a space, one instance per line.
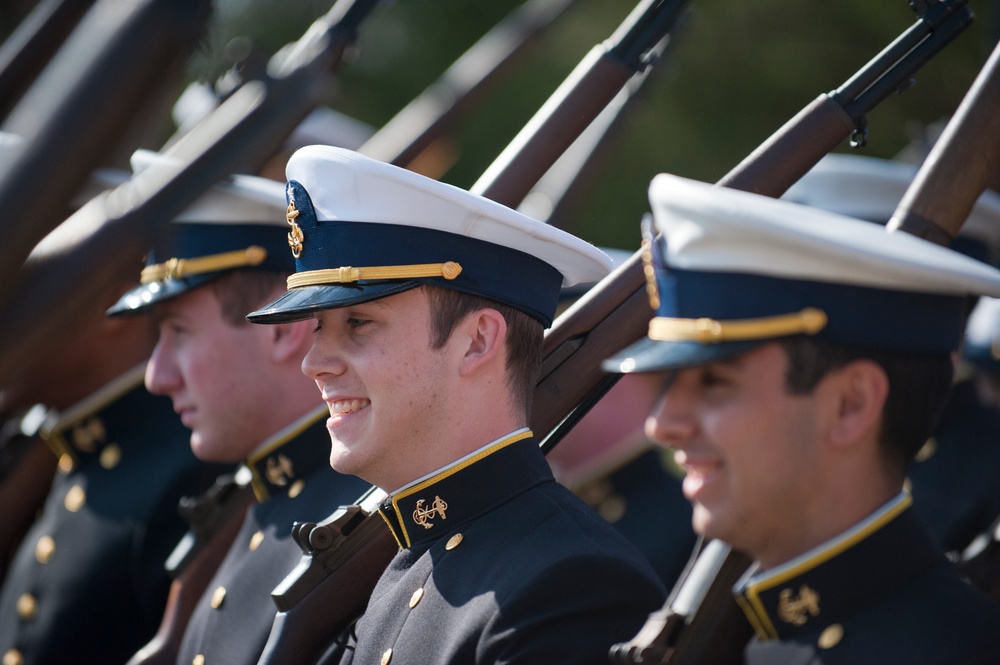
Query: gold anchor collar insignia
x=797 y=609
x=296 y=238
x=279 y=470
x=423 y=516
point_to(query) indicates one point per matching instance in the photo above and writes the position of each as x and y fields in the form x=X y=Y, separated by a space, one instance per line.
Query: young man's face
x=214 y=373
x=749 y=448
x=385 y=386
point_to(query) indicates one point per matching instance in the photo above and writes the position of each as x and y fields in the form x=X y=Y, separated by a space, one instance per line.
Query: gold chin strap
x=178 y=268
x=449 y=270
x=709 y=331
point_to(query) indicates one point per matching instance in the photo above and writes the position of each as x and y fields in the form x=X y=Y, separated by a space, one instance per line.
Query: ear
x=486 y=332
x=290 y=341
x=859 y=389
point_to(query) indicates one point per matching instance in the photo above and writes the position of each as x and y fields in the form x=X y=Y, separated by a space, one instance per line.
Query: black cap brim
x=139 y=299
x=648 y=355
x=303 y=302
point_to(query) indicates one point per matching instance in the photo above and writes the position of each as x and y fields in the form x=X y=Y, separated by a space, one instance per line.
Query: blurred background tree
x=734 y=73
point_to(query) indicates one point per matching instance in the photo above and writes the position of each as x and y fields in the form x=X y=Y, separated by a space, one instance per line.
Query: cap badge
x=422 y=516
x=794 y=609
x=647 y=262
x=295 y=236
x=279 y=470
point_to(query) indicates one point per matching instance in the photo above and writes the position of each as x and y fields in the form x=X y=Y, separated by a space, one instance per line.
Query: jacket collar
x=831 y=582
x=91 y=428
x=433 y=506
x=282 y=463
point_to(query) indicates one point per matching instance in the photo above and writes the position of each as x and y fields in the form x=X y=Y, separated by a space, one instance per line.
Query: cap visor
x=649 y=355
x=144 y=296
x=303 y=302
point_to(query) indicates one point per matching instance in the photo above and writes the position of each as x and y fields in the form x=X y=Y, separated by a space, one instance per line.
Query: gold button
x=75 y=499
x=44 y=549
x=218 y=597
x=65 y=464
x=296 y=488
x=255 y=540
x=198 y=660
x=111 y=456
x=831 y=636
x=612 y=509
x=386 y=657
x=27 y=607
x=927 y=450
x=415 y=598
x=453 y=542
x=13 y=657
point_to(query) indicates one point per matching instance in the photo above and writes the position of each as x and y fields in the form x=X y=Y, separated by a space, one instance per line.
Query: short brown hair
x=524 y=337
x=919 y=385
x=240 y=292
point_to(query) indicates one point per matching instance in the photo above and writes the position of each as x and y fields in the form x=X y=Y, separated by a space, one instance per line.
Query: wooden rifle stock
x=960 y=166
x=462 y=85
x=580 y=99
x=244 y=131
x=346 y=554
x=215 y=519
x=112 y=62
x=32 y=44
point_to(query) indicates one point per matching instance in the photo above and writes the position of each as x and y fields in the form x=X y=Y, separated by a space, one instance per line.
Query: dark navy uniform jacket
x=292 y=481
x=644 y=502
x=88 y=583
x=956 y=476
x=880 y=593
x=500 y=564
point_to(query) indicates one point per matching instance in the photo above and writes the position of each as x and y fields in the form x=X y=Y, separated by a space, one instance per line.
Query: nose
x=162 y=376
x=672 y=421
x=323 y=359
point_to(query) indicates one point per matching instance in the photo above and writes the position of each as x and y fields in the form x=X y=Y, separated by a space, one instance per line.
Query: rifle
x=961 y=164
x=215 y=519
x=242 y=132
x=29 y=47
x=421 y=122
x=87 y=92
x=344 y=555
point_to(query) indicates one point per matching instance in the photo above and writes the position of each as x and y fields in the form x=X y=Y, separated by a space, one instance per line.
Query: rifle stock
x=590 y=87
x=88 y=92
x=960 y=166
x=32 y=44
x=243 y=131
x=215 y=521
x=463 y=84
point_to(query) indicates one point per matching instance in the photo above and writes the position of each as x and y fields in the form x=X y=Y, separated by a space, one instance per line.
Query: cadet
x=953 y=476
x=429 y=304
x=88 y=582
x=240 y=390
x=804 y=358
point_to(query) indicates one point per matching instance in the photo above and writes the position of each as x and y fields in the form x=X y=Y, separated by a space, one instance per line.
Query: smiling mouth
x=342 y=407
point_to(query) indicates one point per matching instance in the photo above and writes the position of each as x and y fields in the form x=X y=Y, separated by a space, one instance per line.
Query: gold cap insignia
x=279 y=470
x=647 y=262
x=295 y=237
x=423 y=515
x=794 y=610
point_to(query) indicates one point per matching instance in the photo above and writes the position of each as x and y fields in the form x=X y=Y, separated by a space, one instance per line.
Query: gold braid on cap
x=709 y=331
x=449 y=270
x=177 y=268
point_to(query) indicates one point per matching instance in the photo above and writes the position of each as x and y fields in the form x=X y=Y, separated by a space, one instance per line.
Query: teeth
x=342 y=406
